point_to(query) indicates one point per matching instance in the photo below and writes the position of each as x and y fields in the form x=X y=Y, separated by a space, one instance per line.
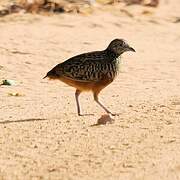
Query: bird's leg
x=97 y=100
x=77 y=93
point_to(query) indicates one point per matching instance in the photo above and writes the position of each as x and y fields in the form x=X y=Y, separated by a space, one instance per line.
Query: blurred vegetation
x=60 y=6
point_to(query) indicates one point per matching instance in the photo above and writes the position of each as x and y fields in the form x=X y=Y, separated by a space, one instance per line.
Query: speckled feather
x=89 y=67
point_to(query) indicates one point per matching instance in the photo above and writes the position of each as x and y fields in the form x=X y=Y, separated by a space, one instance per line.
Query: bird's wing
x=85 y=67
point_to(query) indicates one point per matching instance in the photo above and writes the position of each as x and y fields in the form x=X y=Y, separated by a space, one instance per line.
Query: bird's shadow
x=23 y=120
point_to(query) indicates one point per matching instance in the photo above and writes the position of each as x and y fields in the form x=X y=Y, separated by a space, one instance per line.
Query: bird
x=91 y=71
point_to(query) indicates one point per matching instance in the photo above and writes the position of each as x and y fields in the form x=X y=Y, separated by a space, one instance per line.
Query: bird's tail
x=45 y=76
x=52 y=74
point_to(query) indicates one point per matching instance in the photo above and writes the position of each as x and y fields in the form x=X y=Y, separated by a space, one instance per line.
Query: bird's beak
x=131 y=49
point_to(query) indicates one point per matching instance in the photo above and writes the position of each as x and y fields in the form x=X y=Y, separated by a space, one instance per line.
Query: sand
x=41 y=135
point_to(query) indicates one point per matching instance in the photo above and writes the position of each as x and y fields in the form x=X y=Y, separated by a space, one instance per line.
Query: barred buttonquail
x=91 y=71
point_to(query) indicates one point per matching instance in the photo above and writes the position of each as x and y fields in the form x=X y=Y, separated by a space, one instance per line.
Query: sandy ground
x=41 y=136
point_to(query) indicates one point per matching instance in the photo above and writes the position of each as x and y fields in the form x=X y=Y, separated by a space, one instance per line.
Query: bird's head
x=119 y=46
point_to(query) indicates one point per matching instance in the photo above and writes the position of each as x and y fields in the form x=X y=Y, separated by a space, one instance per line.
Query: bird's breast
x=113 y=69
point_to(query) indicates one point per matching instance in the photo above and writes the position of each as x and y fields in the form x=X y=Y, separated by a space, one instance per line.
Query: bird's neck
x=112 y=55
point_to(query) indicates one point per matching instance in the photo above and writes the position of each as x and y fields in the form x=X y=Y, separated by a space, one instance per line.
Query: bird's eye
x=123 y=43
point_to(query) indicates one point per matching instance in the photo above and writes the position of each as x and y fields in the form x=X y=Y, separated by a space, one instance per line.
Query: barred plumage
x=91 y=71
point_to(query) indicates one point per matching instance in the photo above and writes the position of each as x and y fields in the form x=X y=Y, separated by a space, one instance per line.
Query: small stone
x=104 y=119
x=35 y=146
x=15 y=94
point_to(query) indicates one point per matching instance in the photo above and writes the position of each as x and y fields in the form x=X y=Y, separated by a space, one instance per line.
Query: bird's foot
x=79 y=114
x=114 y=114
